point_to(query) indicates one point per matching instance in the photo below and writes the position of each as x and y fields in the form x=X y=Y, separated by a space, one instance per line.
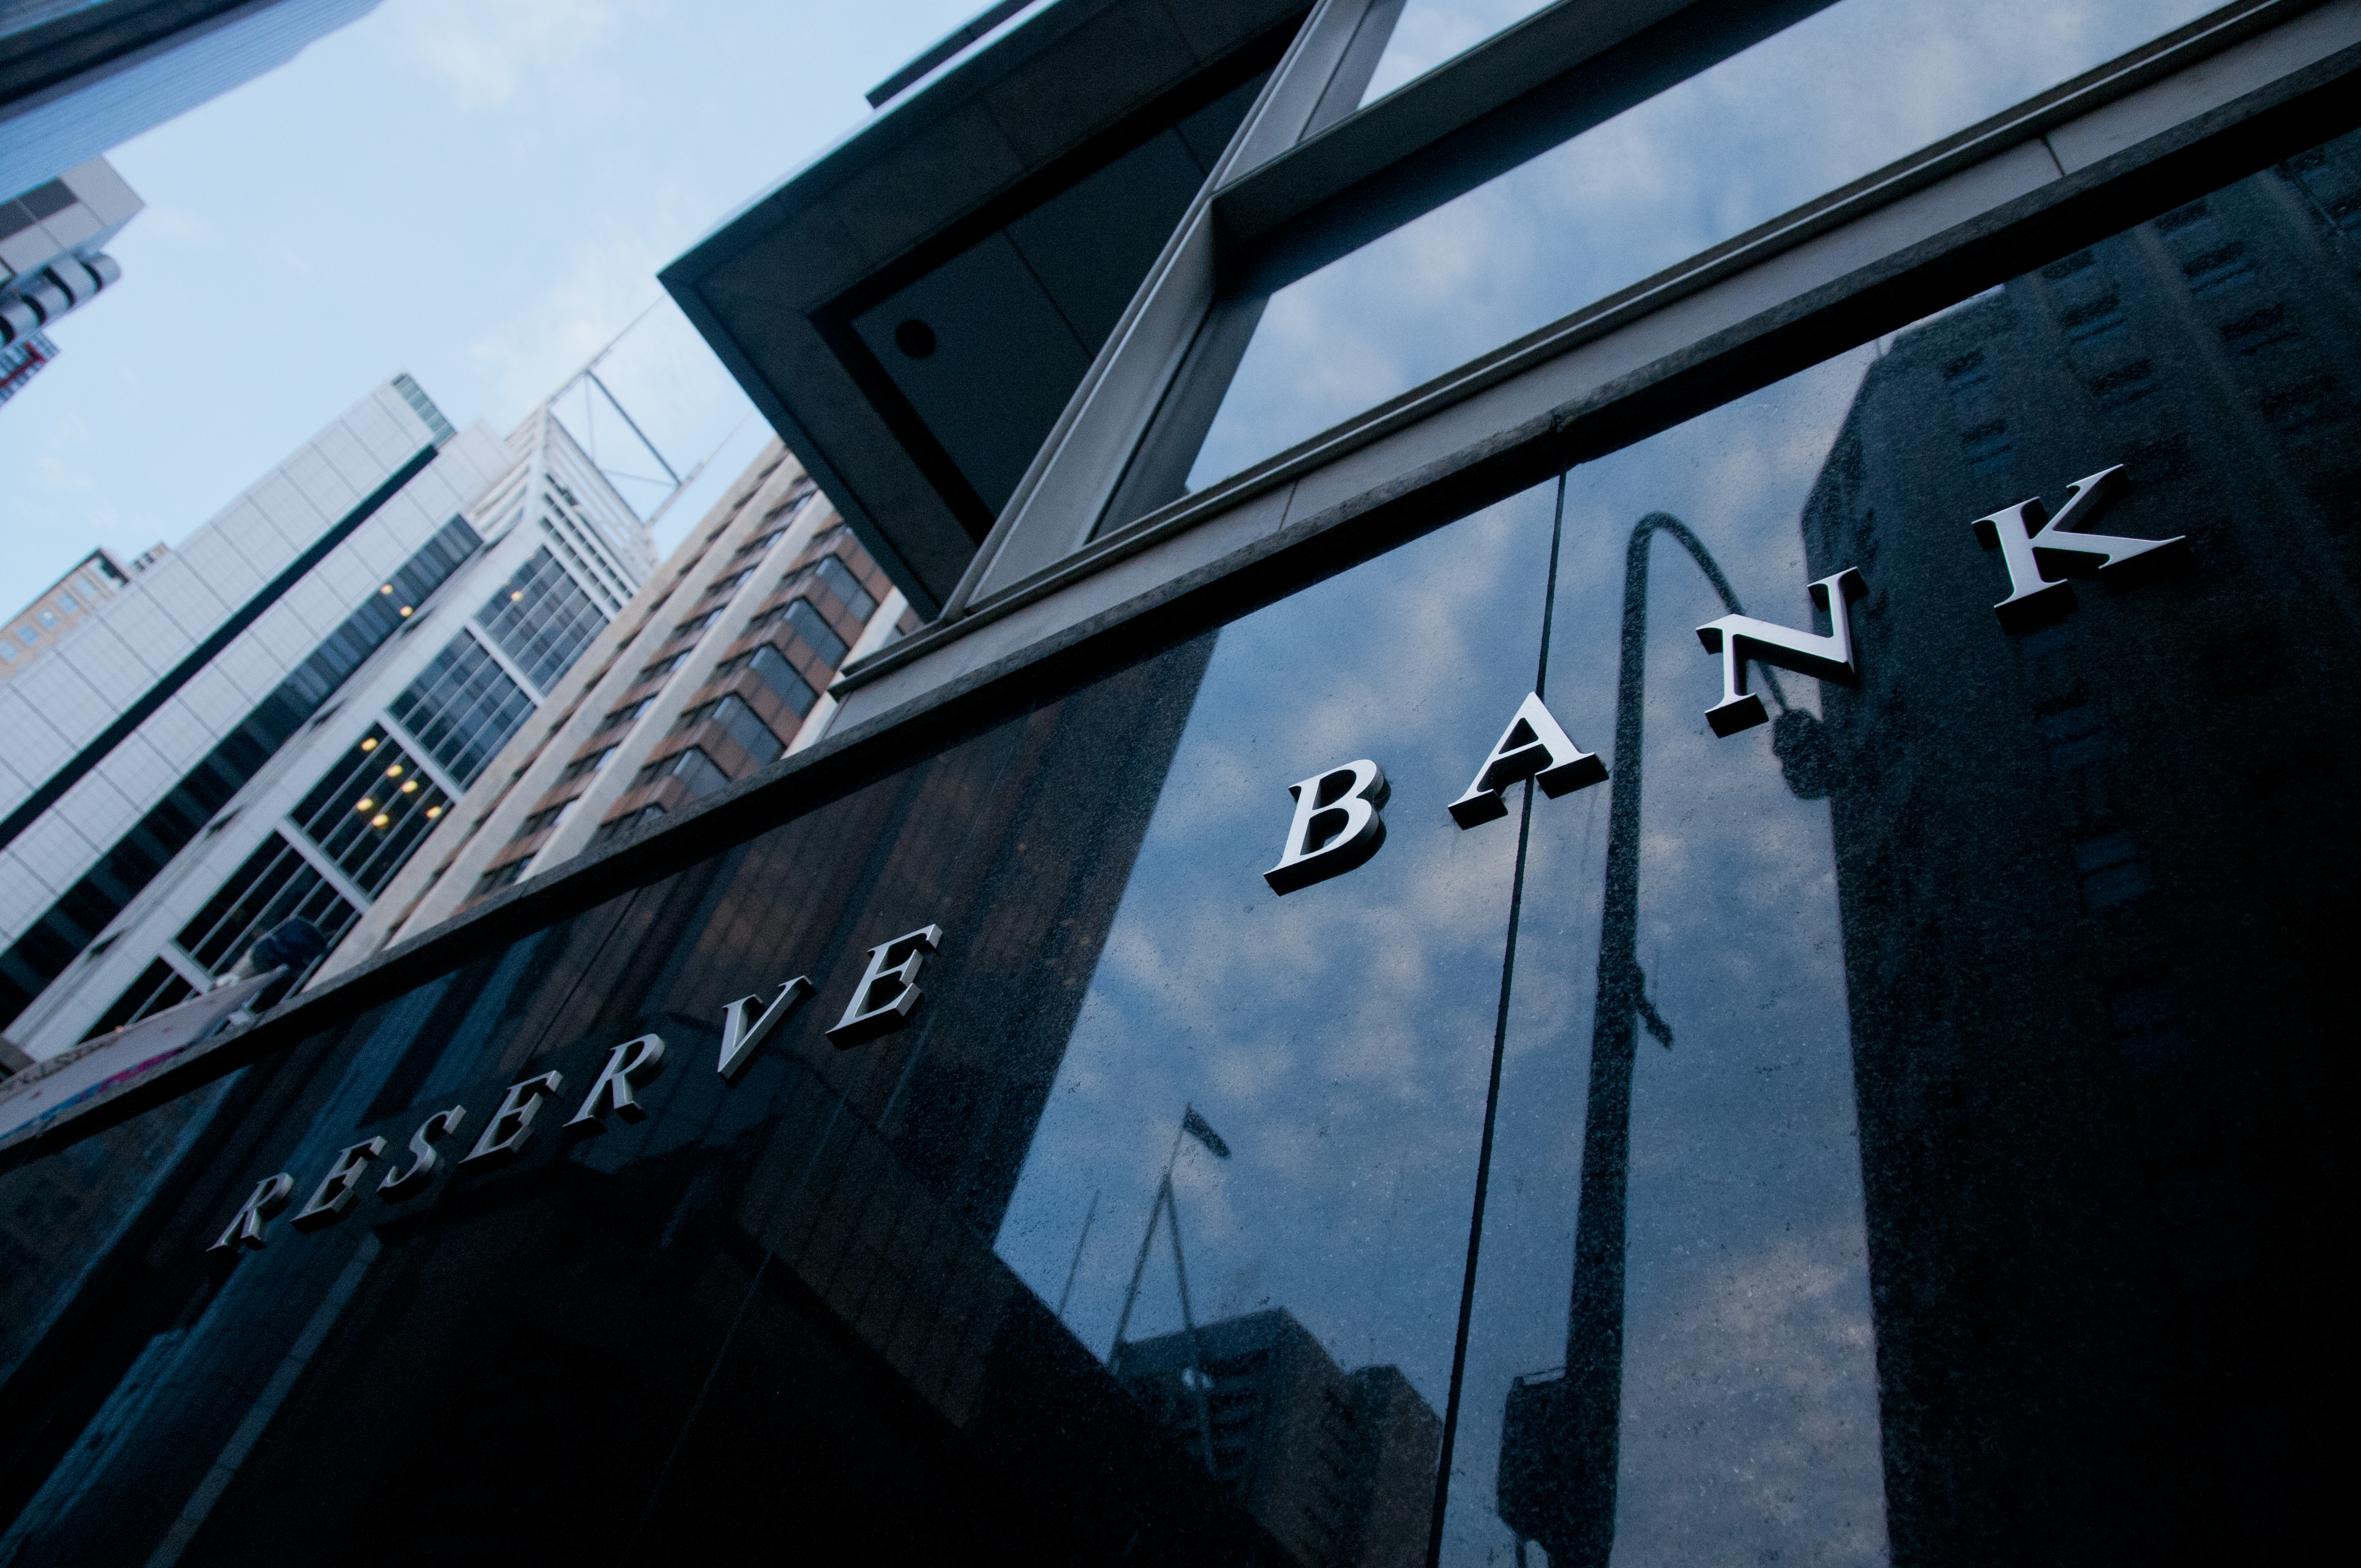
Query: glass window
x=275 y=884
x=583 y=767
x=838 y=579
x=1733 y=146
x=782 y=678
x=371 y=809
x=700 y=772
x=542 y=620
x=463 y=708
x=805 y=622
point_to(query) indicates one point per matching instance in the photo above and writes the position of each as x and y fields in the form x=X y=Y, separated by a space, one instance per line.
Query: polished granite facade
x=1897 y=1131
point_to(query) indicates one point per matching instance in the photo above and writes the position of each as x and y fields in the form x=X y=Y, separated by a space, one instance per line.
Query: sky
x=479 y=192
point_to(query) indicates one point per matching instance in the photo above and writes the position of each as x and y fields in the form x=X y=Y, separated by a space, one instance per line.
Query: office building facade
x=78 y=77
x=1630 y=694
x=53 y=259
x=142 y=886
x=712 y=672
x=57 y=610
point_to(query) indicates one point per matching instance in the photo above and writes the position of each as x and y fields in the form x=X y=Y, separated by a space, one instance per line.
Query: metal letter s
x=400 y=1184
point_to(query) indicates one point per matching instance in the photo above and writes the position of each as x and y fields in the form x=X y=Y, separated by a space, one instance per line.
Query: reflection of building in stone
x=1339 y=1465
x=807 y=1277
x=2089 y=1173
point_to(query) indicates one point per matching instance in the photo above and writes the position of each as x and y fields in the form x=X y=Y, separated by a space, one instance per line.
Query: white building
x=255 y=729
x=716 y=668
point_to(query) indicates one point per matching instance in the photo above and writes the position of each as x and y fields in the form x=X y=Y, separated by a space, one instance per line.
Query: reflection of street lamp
x=1558 y=1438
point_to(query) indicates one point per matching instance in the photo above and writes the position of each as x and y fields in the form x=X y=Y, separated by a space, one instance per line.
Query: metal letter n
x=1741 y=638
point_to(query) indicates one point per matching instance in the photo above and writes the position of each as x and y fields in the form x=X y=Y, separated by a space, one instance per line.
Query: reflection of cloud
x=1749 y=1411
x=1339 y=1038
x=1753 y=137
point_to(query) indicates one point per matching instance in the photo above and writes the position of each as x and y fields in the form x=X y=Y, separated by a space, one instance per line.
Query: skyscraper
x=714 y=670
x=1336 y=1465
x=317 y=737
x=78 y=77
x=2207 y=353
x=53 y=259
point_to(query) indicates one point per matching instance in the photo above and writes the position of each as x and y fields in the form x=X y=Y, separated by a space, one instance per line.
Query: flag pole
x=1067 y=1294
x=1189 y=1321
x=1148 y=1239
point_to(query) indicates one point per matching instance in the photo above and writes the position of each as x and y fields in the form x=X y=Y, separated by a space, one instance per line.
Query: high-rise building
x=57 y=610
x=1679 y=659
x=715 y=669
x=1333 y=1462
x=253 y=730
x=53 y=259
x=78 y=77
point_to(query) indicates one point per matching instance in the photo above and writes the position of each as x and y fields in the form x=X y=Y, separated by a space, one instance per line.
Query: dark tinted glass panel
x=1898 y=1127
x=463 y=708
x=371 y=809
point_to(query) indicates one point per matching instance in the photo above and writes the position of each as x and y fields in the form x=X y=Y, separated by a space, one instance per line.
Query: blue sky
x=479 y=192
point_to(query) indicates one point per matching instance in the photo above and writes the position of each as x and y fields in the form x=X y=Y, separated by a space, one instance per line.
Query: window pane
x=463 y=708
x=1431 y=31
x=1758 y=133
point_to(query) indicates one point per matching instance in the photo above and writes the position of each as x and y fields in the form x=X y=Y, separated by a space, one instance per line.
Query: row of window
x=463 y=708
x=542 y=620
x=371 y=810
x=70 y=926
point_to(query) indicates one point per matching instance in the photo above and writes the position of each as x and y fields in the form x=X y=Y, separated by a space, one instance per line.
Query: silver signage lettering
x=896 y=963
x=742 y=1031
x=629 y=1066
x=1534 y=747
x=1338 y=825
x=245 y=1226
x=2023 y=538
x=505 y=1133
x=334 y=1194
x=399 y=1184
x=1741 y=638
